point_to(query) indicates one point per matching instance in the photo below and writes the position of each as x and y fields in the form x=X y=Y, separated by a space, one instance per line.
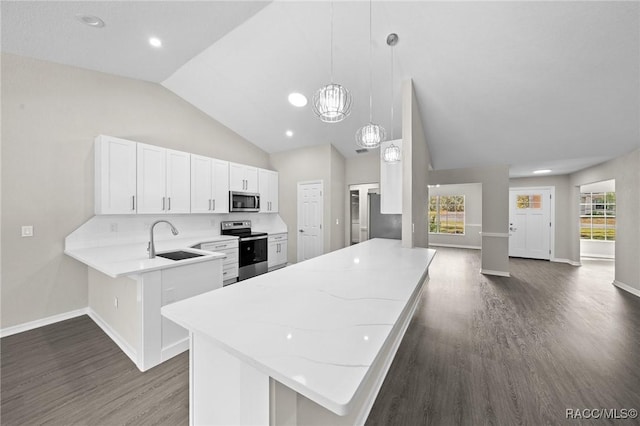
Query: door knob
x=511 y=228
x=301 y=230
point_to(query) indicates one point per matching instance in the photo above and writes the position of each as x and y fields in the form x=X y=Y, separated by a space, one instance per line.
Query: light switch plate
x=27 y=231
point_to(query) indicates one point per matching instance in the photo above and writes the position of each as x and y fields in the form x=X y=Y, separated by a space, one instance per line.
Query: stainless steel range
x=252 y=248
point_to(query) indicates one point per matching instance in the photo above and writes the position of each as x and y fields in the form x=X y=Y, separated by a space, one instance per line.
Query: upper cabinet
x=243 y=178
x=209 y=185
x=115 y=176
x=390 y=181
x=163 y=180
x=268 y=188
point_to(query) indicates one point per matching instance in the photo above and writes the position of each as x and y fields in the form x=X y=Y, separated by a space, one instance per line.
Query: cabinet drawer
x=231 y=257
x=219 y=246
x=277 y=237
x=229 y=271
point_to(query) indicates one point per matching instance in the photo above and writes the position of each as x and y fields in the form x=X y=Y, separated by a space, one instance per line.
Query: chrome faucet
x=151 y=248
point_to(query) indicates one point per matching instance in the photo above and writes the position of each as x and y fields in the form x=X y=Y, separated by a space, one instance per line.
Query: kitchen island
x=306 y=344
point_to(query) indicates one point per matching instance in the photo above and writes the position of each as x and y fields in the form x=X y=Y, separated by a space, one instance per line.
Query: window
x=446 y=214
x=533 y=201
x=598 y=216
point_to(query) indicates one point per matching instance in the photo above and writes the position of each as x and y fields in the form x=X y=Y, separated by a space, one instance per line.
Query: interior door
x=530 y=223
x=310 y=232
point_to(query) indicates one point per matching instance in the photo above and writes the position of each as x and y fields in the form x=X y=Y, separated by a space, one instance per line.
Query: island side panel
x=113 y=306
x=224 y=390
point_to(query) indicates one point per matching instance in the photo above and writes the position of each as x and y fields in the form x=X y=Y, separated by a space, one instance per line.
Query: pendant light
x=332 y=103
x=392 y=152
x=370 y=135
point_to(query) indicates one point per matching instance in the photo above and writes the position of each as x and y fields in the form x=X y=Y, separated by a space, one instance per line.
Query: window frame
x=437 y=215
x=598 y=202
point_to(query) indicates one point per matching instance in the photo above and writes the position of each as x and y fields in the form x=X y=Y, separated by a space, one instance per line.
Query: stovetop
x=244 y=233
x=239 y=228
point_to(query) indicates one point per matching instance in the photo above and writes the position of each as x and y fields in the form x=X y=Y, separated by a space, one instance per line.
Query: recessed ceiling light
x=297 y=99
x=155 y=42
x=289 y=133
x=90 y=20
x=539 y=172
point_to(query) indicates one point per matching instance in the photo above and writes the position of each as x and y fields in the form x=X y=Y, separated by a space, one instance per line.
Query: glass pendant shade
x=332 y=103
x=391 y=154
x=370 y=136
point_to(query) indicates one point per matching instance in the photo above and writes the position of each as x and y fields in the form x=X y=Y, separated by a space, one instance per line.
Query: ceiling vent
x=362 y=150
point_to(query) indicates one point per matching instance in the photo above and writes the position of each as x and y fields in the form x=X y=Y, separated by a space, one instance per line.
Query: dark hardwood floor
x=480 y=350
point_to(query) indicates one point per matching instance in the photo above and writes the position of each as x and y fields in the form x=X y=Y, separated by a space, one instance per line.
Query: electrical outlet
x=27 y=231
x=114 y=227
x=115 y=302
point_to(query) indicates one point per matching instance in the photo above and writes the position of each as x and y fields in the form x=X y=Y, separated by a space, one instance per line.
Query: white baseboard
x=570 y=262
x=626 y=287
x=174 y=349
x=122 y=344
x=497 y=273
x=455 y=246
x=598 y=256
x=8 y=331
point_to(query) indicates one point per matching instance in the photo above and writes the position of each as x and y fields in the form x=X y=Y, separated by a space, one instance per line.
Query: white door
x=273 y=192
x=251 y=179
x=530 y=223
x=237 y=180
x=310 y=232
x=178 y=182
x=263 y=189
x=115 y=190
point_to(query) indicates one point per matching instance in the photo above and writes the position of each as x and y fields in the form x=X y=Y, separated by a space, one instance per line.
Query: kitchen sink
x=179 y=255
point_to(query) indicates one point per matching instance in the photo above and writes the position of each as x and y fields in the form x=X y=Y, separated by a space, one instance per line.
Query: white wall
x=626 y=172
x=416 y=162
x=51 y=114
x=472 y=215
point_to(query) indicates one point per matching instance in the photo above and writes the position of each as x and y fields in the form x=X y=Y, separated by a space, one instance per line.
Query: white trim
x=570 y=262
x=174 y=349
x=598 y=256
x=495 y=234
x=455 y=246
x=626 y=287
x=122 y=344
x=8 y=331
x=497 y=273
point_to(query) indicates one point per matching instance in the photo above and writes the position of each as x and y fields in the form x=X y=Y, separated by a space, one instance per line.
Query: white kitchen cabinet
x=115 y=175
x=230 y=263
x=243 y=178
x=390 y=181
x=268 y=188
x=209 y=185
x=277 y=251
x=163 y=180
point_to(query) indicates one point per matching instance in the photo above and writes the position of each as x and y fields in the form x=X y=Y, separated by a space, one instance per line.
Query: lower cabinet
x=277 y=255
x=230 y=262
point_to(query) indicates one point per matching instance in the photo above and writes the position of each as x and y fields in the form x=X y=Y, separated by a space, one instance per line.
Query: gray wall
x=564 y=221
x=320 y=162
x=51 y=114
x=415 y=172
x=472 y=215
x=626 y=171
x=495 y=210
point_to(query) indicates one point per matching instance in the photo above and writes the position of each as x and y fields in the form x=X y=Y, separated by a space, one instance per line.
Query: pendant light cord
x=370 y=69
x=392 y=93
x=331 y=39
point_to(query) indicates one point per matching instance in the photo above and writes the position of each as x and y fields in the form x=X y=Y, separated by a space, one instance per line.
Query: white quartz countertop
x=316 y=326
x=131 y=259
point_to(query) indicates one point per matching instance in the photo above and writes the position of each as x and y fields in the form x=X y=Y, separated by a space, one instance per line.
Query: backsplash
x=108 y=230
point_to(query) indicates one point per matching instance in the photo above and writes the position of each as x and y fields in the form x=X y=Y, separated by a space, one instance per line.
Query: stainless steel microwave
x=244 y=202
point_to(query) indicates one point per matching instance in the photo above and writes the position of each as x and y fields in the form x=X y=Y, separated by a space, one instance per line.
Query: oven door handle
x=253 y=238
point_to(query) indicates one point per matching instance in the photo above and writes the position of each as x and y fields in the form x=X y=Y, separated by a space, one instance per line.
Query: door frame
x=322 y=194
x=552 y=213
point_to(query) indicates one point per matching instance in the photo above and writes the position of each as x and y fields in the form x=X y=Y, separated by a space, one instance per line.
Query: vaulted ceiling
x=530 y=84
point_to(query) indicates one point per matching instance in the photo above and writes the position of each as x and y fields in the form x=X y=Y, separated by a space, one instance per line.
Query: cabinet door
x=201 y=184
x=264 y=190
x=237 y=181
x=251 y=178
x=272 y=254
x=115 y=177
x=220 y=194
x=282 y=252
x=178 y=182
x=273 y=192
x=151 y=173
